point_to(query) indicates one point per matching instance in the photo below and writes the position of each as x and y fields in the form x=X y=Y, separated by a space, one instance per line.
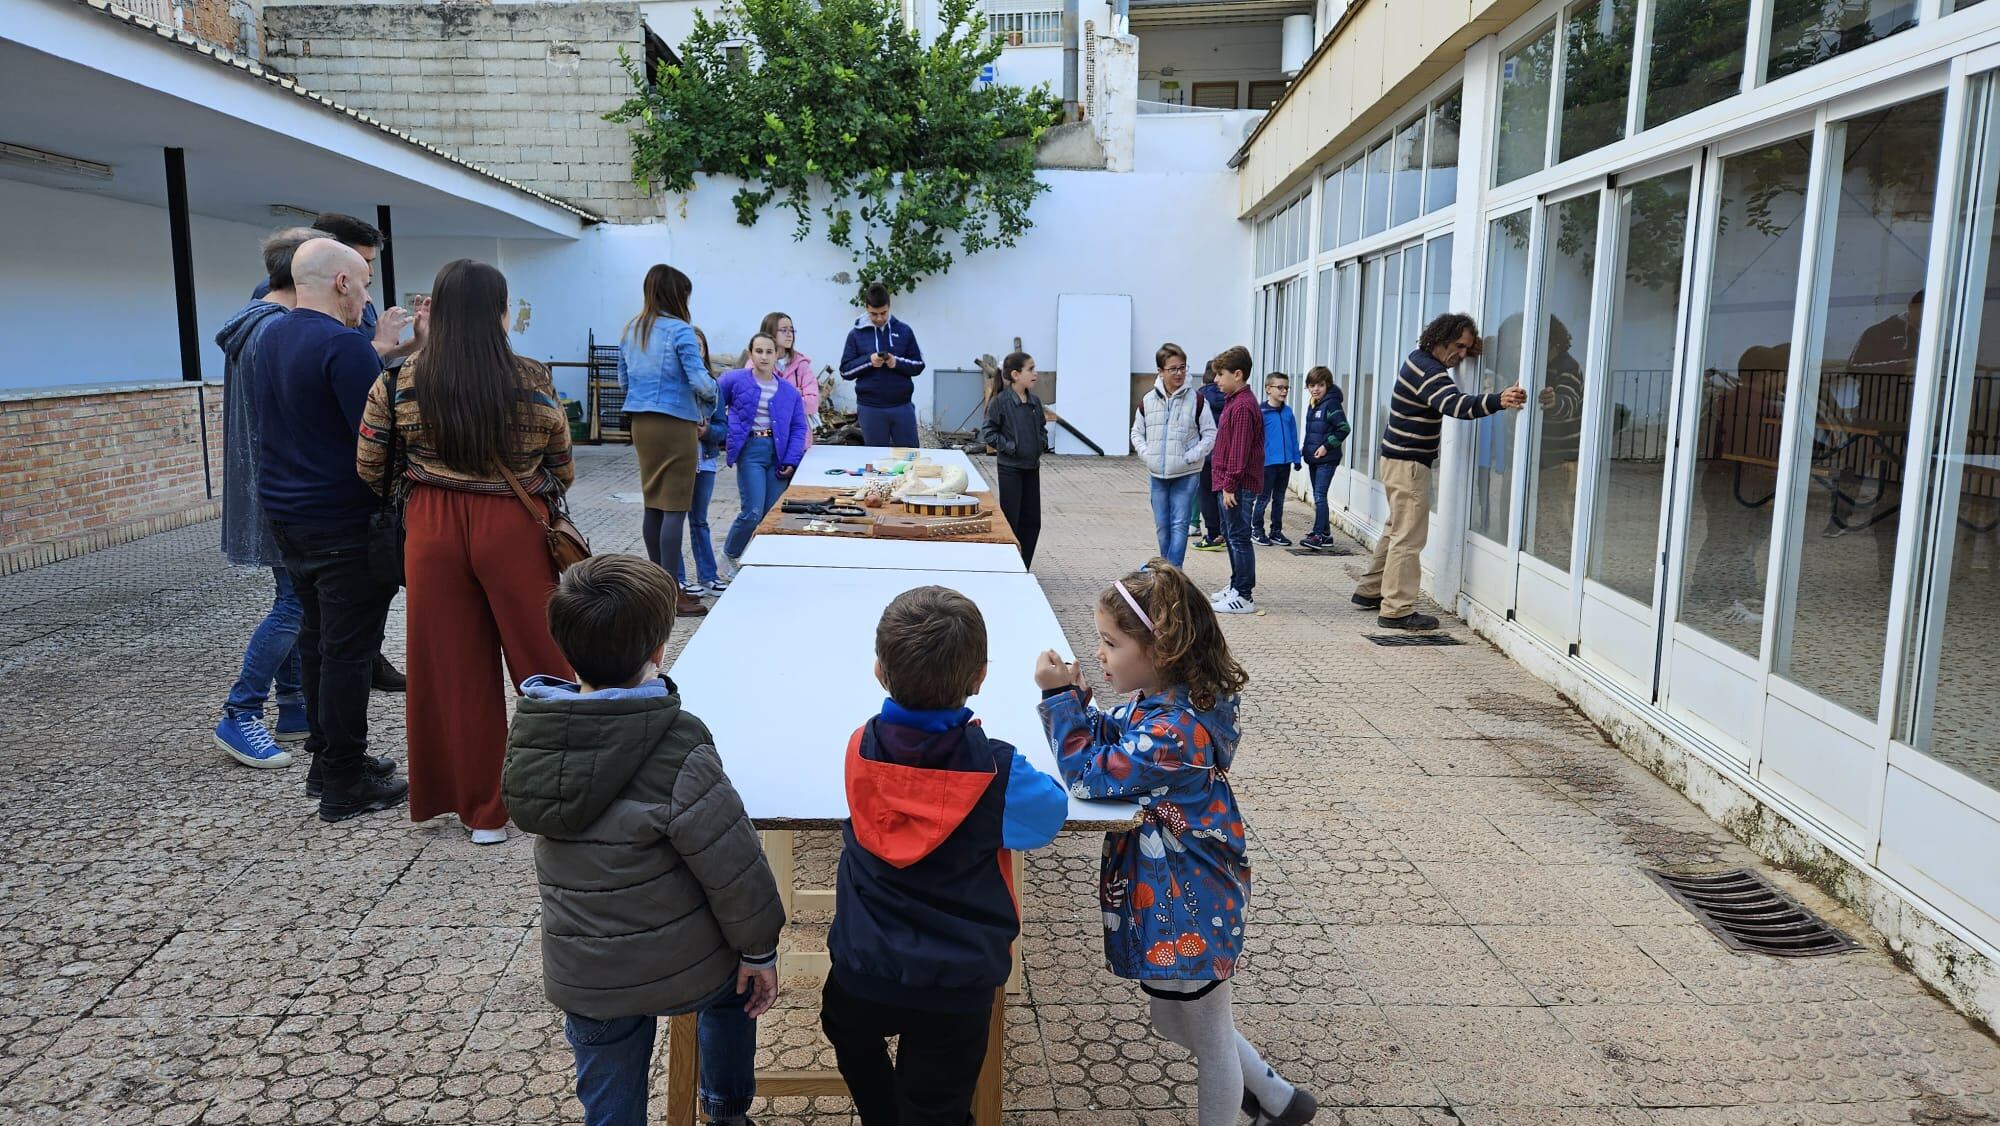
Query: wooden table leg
x=986 y=1097
x=778 y=853
x=683 y=1069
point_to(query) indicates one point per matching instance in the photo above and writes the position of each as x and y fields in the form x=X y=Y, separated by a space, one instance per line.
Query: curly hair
x=1445 y=328
x=1185 y=642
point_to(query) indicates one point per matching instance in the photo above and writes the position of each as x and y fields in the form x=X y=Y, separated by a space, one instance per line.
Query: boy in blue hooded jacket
x=925 y=912
x=1281 y=456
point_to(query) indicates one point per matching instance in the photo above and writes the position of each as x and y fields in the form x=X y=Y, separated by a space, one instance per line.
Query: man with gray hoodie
x=1173 y=432
x=656 y=897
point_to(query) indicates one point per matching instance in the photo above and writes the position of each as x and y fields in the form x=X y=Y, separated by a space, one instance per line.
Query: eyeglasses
x=1180 y=368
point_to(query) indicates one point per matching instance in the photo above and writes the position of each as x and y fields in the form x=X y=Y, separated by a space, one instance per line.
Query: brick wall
x=521 y=89
x=85 y=470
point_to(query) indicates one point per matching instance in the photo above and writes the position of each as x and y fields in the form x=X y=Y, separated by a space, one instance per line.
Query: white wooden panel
x=1542 y=604
x=1715 y=696
x=1948 y=843
x=1489 y=576
x=1094 y=357
x=1617 y=636
x=1825 y=764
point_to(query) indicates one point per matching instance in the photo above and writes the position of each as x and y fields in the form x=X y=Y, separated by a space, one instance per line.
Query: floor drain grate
x=1749 y=913
x=1413 y=639
x=1313 y=553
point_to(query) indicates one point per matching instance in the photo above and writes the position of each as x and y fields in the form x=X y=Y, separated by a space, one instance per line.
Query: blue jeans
x=272 y=655
x=614 y=1060
x=1173 y=504
x=1277 y=480
x=889 y=426
x=699 y=541
x=1322 y=479
x=758 y=487
x=1236 y=533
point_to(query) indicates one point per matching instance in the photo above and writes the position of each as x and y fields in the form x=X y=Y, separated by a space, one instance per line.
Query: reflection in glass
x=1390 y=361
x=1441 y=188
x=1597 y=74
x=1524 y=107
x=1498 y=368
x=1377 y=207
x=1804 y=32
x=1408 y=194
x=1361 y=408
x=1350 y=202
x=1639 y=383
x=1329 y=212
x=1697 y=56
x=1557 y=420
x=1752 y=291
x=1437 y=300
x=1346 y=329
x=1846 y=528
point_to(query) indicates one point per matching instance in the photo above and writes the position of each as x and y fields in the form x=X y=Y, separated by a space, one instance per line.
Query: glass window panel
x=1639 y=384
x=1407 y=197
x=1437 y=300
x=1329 y=212
x=1350 y=202
x=1697 y=56
x=1377 y=206
x=1498 y=368
x=1752 y=287
x=1524 y=107
x=1569 y=262
x=1323 y=347
x=1597 y=75
x=1846 y=534
x=1963 y=5
x=1346 y=333
x=1441 y=172
x=1804 y=32
x=1361 y=405
x=1390 y=362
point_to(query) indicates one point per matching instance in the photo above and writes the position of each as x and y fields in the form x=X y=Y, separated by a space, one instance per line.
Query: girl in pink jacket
x=794 y=367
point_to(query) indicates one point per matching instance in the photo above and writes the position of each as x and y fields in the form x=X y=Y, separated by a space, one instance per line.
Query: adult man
x=272 y=654
x=1424 y=394
x=312 y=380
x=1173 y=432
x=883 y=360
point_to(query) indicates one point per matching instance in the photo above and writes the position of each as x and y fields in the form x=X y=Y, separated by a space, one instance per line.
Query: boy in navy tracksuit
x=882 y=358
x=1281 y=456
x=925 y=916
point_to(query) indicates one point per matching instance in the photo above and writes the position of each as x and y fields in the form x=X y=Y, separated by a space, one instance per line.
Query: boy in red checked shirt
x=1238 y=476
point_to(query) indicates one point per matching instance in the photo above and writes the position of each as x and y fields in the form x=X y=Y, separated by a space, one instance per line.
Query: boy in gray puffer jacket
x=656 y=898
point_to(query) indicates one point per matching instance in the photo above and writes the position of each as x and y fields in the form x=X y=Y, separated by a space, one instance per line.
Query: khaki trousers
x=1396 y=572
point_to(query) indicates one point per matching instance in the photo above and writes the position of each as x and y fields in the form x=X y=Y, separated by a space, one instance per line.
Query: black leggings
x=1021 y=503
x=1211 y=504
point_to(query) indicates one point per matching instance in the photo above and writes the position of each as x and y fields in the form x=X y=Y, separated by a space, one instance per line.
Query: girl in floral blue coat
x=1172 y=889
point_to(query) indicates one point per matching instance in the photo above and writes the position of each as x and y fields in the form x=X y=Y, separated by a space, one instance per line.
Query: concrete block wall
x=496 y=85
x=94 y=467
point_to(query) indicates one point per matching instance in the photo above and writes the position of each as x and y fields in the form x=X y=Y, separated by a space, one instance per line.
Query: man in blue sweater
x=313 y=376
x=883 y=360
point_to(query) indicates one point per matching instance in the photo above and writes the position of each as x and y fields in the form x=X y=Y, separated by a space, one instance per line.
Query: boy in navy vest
x=924 y=913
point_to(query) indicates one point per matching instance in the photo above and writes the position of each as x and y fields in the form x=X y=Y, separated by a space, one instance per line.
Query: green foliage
x=904 y=146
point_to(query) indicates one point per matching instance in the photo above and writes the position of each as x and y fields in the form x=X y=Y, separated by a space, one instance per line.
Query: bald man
x=314 y=375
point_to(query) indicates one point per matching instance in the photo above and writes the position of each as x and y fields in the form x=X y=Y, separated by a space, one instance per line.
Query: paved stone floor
x=1450 y=924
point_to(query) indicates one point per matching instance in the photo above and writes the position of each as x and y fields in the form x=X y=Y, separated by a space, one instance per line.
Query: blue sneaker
x=245 y=739
x=292 y=725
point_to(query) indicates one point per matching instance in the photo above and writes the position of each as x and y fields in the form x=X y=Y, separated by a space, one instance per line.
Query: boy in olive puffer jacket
x=656 y=897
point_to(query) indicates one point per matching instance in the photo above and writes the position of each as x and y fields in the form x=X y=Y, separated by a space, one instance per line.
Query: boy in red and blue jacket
x=1238 y=475
x=925 y=911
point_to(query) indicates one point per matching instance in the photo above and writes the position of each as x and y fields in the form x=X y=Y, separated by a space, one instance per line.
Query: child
x=699 y=541
x=1281 y=455
x=766 y=439
x=1238 y=475
x=1171 y=890
x=925 y=913
x=1017 y=426
x=1326 y=429
x=656 y=899
x=1210 y=501
x=1172 y=432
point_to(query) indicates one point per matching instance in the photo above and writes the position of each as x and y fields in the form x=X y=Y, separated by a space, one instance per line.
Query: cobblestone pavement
x=1450 y=924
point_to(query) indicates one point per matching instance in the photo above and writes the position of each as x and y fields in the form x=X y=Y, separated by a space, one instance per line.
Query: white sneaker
x=692 y=589
x=489 y=836
x=1219 y=595
x=1234 y=604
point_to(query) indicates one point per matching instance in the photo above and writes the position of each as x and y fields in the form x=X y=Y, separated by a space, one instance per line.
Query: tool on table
x=917 y=528
x=820 y=508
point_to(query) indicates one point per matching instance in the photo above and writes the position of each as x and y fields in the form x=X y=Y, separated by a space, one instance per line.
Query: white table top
x=783 y=670
x=822 y=457
x=882 y=554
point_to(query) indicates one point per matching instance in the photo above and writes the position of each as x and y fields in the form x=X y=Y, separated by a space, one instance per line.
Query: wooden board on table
x=774 y=521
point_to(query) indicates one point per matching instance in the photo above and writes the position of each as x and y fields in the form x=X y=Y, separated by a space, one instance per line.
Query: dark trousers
x=888 y=426
x=345 y=607
x=1322 y=478
x=1021 y=503
x=1277 y=478
x=938 y=1057
x=1236 y=533
x=1211 y=503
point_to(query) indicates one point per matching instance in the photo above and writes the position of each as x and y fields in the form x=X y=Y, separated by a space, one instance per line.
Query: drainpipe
x=1072 y=29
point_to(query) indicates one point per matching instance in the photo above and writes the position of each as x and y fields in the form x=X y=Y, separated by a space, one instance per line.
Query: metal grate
x=1413 y=639
x=1750 y=914
x=1309 y=553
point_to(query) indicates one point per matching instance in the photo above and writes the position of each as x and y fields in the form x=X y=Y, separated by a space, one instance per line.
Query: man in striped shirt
x=1425 y=394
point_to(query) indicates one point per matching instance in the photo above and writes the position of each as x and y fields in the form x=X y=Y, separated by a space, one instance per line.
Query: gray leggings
x=1228 y=1064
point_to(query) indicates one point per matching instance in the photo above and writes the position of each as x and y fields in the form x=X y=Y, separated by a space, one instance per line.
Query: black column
x=177 y=222
x=387 y=258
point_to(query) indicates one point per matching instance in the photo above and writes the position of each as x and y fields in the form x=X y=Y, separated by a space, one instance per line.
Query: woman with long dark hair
x=467 y=413
x=668 y=396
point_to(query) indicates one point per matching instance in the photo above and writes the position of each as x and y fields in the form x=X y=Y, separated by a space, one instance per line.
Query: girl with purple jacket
x=767 y=437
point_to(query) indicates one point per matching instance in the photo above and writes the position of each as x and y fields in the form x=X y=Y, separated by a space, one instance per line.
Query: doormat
x=1312 y=553
x=1412 y=639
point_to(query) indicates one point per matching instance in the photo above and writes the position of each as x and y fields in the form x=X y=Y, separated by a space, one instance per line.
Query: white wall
x=1031 y=66
x=87 y=288
x=1227 y=53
